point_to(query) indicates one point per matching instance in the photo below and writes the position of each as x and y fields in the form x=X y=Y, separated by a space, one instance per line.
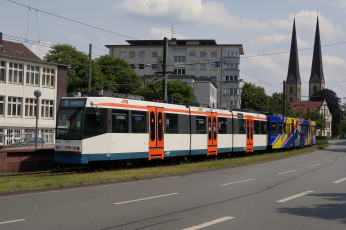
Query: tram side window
x=171 y=123
x=139 y=121
x=95 y=122
x=280 y=127
x=292 y=127
x=274 y=128
x=242 y=126
x=257 y=128
x=201 y=127
x=222 y=125
x=263 y=125
x=120 y=121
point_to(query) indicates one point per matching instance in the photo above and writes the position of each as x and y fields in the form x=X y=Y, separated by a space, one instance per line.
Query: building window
x=132 y=54
x=15 y=73
x=154 y=66
x=141 y=66
x=133 y=66
x=192 y=66
x=235 y=78
x=48 y=77
x=30 y=107
x=154 y=54
x=14 y=106
x=213 y=78
x=141 y=54
x=291 y=89
x=203 y=54
x=193 y=54
x=123 y=54
x=47 y=108
x=2 y=105
x=291 y=99
x=213 y=54
x=179 y=71
x=203 y=66
x=227 y=78
x=32 y=74
x=2 y=71
x=179 y=59
x=315 y=89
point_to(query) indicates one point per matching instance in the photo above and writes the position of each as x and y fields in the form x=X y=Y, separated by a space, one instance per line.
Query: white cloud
x=306 y=21
x=211 y=12
x=270 y=40
x=334 y=61
x=159 y=33
x=42 y=49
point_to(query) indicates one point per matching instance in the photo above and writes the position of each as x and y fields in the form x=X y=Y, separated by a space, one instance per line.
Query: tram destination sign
x=72 y=102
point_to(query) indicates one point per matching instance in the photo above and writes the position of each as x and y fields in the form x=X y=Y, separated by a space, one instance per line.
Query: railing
x=27 y=140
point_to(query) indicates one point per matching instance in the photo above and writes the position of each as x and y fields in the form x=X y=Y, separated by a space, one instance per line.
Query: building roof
x=178 y=42
x=293 y=74
x=317 y=75
x=303 y=107
x=16 y=50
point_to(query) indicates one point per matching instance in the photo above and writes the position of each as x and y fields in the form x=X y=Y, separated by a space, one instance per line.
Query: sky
x=264 y=28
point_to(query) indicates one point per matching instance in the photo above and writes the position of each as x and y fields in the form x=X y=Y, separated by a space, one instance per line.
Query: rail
x=27 y=140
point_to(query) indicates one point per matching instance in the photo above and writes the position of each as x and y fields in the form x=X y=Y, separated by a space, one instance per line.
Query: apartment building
x=200 y=58
x=21 y=73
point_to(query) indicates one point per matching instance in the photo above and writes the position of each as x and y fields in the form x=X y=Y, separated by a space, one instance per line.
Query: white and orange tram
x=106 y=128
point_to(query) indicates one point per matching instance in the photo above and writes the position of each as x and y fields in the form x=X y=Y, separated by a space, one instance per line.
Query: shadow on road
x=330 y=211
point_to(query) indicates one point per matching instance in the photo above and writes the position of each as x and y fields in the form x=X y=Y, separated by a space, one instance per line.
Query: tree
x=276 y=105
x=254 y=97
x=333 y=102
x=107 y=73
x=118 y=75
x=178 y=90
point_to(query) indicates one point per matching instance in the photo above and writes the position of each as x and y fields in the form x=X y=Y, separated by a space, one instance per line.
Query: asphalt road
x=303 y=192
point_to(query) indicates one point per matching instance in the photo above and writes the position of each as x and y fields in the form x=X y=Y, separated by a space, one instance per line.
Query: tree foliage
x=333 y=102
x=107 y=72
x=254 y=98
x=179 y=91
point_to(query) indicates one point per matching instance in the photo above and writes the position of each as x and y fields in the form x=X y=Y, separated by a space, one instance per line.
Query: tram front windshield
x=69 y=124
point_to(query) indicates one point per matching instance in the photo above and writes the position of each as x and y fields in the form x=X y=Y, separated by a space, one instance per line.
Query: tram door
x=249 y=134
x=212 y=133
x=156 y=133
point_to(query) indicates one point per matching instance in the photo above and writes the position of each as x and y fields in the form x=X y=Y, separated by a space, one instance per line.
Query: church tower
x=316 y=82
x=293 y=82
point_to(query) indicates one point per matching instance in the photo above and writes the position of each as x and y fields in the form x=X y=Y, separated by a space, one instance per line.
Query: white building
x=21 y=73
x=200 y=58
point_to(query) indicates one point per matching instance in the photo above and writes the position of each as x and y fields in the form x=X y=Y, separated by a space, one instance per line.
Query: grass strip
x=22 y=183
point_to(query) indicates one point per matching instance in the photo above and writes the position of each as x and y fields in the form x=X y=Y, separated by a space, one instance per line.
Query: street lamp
x=37 y=94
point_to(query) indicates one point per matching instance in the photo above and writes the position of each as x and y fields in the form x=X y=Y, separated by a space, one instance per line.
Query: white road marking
x=11 y=221
x=330 y=161
x=295 y=196
x=286 y=172
x=147 y=198
x=339 y=181
x=237 y=182
x=314 y=165
x=210 y=223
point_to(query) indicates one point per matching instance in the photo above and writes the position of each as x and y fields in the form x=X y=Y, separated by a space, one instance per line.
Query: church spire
x=316 y=82
x=293 y=82
x=293 y=74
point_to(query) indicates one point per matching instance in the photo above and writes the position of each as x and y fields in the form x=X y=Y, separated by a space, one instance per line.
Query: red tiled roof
x=17 y=50
x=302 y=107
